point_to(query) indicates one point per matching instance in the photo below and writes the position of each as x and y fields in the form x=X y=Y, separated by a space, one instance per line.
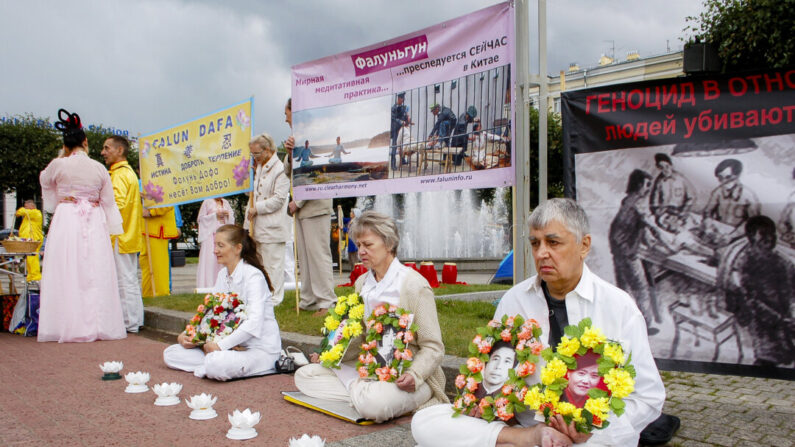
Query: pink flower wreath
x=523 y=336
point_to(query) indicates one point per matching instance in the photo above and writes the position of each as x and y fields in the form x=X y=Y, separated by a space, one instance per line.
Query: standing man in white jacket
x=312 y=239
x=271 y=194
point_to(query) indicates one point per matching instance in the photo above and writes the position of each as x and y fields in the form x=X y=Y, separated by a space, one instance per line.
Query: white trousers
x=273 y=261
x=132 y=306
x=220 y=365
x=375 y=400
x=289 y=262
x=435 y=426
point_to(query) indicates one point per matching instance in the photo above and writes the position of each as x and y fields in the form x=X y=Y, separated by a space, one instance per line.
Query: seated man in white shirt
x=563 y=292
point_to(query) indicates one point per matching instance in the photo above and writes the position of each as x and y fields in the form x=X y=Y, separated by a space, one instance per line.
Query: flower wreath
x=217 y=317
x=614 y=369
x=523 y=335
x=401 y=321
x=343 y=322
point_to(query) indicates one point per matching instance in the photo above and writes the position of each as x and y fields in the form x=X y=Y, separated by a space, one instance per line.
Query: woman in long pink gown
x=79 y=291
x=212 y=214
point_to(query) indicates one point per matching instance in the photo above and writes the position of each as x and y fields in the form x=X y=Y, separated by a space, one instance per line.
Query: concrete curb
x=489 y=295
x=173 y=322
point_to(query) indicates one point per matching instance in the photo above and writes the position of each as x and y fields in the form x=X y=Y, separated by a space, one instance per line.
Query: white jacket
x=259 y=330
x=271 y=193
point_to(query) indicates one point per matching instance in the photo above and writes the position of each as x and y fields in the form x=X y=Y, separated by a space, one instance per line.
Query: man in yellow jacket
x=161 y=225
x=127 y=246
x=30 y=228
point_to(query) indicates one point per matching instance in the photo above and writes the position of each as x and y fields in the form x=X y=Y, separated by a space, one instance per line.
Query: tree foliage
x=554 y=156
x=749 y=34
x=29 y=143
x=25 y=149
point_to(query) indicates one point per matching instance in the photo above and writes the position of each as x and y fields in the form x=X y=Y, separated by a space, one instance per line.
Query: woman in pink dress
x=79 y=291
x=212 y=214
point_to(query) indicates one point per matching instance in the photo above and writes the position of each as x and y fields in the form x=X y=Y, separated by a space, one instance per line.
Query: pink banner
x=401 y=53
x=428 y=110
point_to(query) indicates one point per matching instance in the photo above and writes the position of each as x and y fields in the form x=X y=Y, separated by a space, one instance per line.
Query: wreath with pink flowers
x=383 y=318
x=522 y=335
x=217 y=317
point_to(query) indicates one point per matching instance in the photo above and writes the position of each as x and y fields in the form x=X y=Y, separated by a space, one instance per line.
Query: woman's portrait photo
x=582 y=379
x=386 y=346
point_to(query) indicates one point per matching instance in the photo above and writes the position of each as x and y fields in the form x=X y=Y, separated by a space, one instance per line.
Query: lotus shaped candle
x=243 y=423
x=111 y=370
x=167 y=393
x=307 y=441
x=202 y=405
x=136 y=382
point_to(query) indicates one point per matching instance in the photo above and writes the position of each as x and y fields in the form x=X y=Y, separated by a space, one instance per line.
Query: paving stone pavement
x=735 y=411
x=52 y=395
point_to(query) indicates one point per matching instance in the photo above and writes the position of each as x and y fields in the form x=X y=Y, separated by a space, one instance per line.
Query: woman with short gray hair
x=565 y=211
x=265 y=213
x=379 y=224
x=388 y=282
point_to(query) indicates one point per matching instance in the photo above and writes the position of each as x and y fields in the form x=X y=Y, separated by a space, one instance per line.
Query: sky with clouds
x=143 y=65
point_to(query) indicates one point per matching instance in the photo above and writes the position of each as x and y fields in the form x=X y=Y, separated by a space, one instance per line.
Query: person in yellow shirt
x=161 y=225
x=30 y=228
x=126 y=246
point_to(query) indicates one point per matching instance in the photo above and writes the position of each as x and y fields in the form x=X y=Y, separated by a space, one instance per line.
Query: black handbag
x=285 y=365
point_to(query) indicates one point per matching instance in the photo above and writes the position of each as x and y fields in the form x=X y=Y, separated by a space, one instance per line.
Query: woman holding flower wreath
x=388 y=284
x=252 y=348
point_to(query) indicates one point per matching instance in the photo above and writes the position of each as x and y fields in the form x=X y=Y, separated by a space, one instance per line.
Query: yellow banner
x=202 y=158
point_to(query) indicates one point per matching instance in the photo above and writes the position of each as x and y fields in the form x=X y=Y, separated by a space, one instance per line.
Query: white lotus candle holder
x=167 y=393
x=243 y=423
x=111 y=370
x=307 y=441
x=136 y=382
x=202 y=405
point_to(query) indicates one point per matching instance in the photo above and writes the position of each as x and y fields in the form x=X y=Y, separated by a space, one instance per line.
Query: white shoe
x=298 y=356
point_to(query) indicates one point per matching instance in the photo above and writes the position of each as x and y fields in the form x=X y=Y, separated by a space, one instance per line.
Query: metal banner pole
x=521 y=191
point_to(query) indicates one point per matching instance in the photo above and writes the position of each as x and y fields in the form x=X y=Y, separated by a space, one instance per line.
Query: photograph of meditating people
x=501 y=360
x=386 y=346
x=582 y=379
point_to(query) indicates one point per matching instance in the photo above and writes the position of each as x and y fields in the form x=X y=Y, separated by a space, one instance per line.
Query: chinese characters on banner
x=430 y=110
x=689 y=184
x=202 y=158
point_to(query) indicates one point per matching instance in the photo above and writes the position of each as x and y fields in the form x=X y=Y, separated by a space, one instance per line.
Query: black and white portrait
x=502 y=359
x=386 y=346
x=700 y=235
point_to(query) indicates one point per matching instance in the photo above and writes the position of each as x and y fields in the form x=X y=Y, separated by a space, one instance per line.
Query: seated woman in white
x=253 y=348
x=386 y=282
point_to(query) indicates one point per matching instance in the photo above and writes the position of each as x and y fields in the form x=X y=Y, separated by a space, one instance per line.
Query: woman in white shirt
x=253 y=348
x=391 y=283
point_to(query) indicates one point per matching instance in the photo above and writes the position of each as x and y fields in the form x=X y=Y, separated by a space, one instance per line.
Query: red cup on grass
x=358 y=270
x=429 y=272
x=449 y=273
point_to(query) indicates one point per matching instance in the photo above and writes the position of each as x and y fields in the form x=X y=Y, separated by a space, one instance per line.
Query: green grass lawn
x=458 y=319
x=192 y=260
